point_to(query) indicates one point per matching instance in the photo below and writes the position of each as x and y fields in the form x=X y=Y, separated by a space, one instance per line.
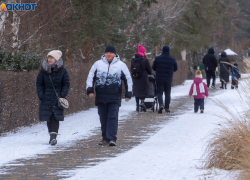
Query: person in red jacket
x=199 y=91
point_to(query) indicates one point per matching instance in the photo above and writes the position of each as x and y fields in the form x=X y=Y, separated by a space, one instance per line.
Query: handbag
x=62 y=102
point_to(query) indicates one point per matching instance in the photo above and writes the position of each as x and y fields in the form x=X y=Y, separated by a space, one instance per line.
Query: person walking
x=210 y=63
x=199 y=91
x=108 y=73
x=52 y=73
x=224 y=69
x=164 y=65
x=235 y=76
x=140 y=69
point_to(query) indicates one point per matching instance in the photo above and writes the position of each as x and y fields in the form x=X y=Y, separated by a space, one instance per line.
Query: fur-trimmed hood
x=46 y=68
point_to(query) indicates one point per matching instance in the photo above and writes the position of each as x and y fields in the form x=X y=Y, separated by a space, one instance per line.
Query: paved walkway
x=132 y=131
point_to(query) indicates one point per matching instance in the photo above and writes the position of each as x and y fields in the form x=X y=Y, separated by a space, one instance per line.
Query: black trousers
x=137 y=99
x=53 y=124
x=209 y=74
x=109 y=120
x=198 y=103
x=234 y=83
x=164 y=87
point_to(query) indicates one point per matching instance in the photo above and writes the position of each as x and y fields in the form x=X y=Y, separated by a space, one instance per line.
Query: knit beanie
x=198 y=74
x=166 y=49
x=57 y=54
x=141 y=51
x=110 y=49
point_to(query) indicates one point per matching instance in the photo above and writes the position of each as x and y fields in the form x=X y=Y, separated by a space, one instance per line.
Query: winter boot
x=137 y=107
x=50 y=139
x=103 y=142
x=167 y=110
x=53 y=136
x=143 y=106
x=160 y=109
x=222 y=85
x=225 y=85
x=112 y=143
x=202 y=110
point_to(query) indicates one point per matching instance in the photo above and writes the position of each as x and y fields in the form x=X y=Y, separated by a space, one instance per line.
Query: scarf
x=143 y=55
x=201 y=87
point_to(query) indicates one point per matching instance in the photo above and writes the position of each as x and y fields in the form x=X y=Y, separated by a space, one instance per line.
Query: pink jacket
x=197 y=81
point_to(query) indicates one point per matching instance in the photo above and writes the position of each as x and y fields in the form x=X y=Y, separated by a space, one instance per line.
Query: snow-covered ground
x=173 y=153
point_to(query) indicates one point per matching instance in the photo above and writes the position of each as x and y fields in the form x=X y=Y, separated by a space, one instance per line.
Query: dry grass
x=229 y=147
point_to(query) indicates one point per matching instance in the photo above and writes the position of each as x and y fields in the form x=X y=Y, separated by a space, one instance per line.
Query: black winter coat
x=210 y=60
x=46 y=94
x=141 y=85
x=224 y=68
x=165 y=66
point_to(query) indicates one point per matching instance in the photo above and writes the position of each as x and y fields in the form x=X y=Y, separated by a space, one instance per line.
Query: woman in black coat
x=224 y=70
x=48 y=106
x=141 y=84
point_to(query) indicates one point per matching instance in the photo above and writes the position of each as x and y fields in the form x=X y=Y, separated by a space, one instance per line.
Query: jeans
x=166 y=88
x=198 y=103
x=109 y=120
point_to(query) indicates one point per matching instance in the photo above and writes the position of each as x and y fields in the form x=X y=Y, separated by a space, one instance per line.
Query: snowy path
x=172 y=148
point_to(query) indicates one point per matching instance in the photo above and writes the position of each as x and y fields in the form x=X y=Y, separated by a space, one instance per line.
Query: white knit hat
x=57 y=54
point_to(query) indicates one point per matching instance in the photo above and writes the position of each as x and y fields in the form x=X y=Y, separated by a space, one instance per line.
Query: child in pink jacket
x=199 y=91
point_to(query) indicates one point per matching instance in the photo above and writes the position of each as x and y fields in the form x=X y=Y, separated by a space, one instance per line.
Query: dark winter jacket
x=141 y=85
x=46 y=94
x=108 y=77
x=165 y=66
x=210 y=60
x=224 y=67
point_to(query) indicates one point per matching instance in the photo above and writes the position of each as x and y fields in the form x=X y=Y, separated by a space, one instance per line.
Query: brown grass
x=229 y=147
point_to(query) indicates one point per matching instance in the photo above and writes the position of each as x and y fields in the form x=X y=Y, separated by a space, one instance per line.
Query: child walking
x=235 y=76
x=199 y=91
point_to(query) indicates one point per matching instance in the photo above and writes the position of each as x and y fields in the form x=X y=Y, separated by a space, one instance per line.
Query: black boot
x=53 y=136
x=222 y=85
x=225 y=85
x=167 y=110
x=160 y=109
x=50 y=139
x=137 y=104
x=143 y=106
x=137 y=107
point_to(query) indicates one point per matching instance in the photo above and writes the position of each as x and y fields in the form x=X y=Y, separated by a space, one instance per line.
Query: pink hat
x=141 y=49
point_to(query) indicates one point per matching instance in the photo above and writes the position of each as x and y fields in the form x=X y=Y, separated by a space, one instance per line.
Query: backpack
x=136 y=69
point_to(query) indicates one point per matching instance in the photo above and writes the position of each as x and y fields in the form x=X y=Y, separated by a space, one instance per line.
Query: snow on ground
x=30 y=141
x=173 y=153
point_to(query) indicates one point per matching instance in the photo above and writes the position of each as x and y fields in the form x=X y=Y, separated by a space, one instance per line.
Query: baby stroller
x=151 y=101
